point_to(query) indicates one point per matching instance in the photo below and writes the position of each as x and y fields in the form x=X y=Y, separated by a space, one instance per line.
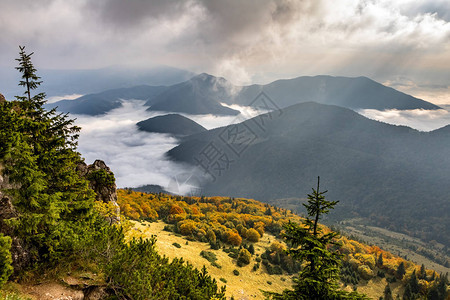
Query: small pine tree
x=423 y=272
x=414 y=283
x=400 y=270
x=388 y=292
x=407 y=294
x=380 y=260
x=319 y=277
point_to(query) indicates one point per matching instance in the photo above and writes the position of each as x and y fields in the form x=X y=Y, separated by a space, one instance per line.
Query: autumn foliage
x=237 y=221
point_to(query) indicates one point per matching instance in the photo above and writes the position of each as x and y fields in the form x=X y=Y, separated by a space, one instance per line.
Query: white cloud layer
x=420 y=119
x=136 y=157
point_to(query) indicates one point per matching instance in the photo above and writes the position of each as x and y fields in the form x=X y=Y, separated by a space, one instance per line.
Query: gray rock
x=105 y=193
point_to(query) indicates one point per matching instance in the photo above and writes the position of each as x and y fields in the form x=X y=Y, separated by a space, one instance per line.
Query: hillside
x=393 y=176
x=173 y=124
x=101 y=103
x=205 y=230
x=201 y=94
x=354 y=93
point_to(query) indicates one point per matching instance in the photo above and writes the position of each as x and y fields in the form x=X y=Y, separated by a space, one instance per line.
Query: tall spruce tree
x=309 y=244
x=39 y=156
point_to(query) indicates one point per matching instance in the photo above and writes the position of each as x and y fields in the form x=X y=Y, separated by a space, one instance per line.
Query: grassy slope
x=248 y=284
x=245 y=286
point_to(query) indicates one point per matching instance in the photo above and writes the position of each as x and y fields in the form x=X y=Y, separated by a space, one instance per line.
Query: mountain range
x=206 y=94
x=394 y=175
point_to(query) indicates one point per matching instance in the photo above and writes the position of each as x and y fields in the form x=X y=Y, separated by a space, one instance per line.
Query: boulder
x=101 y=181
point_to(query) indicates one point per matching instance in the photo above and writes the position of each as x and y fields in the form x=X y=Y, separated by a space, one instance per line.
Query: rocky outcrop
x=2 y=98
x=102 y=182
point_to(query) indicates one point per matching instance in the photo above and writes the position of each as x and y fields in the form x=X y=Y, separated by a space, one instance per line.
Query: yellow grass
x=247 y=285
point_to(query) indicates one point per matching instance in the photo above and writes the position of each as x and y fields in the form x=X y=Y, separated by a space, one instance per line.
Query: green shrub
x=243 y=258
x=101 y=177
x=169 y=228
x=223 y=280
x=209 y=256
x=236 y=272
x=177 y=245
x=136 y=271
x=5 y=259
x=256 y=267
x=12 y=296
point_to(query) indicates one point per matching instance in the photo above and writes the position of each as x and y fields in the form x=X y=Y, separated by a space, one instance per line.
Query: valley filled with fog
x=138 y=157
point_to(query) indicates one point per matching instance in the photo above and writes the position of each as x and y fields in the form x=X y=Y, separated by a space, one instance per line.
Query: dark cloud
x=133 y=14
x=243 y=41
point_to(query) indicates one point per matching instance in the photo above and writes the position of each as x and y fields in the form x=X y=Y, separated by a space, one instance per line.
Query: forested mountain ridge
x=395 y=175
x=202 y=94
x=349 y=92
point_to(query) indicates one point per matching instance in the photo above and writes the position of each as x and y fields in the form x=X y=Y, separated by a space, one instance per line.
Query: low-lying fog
x=420 y=119
x=137 y=157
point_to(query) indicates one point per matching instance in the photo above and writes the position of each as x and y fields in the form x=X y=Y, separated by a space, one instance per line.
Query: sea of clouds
x=138 y=158
x=420 y=119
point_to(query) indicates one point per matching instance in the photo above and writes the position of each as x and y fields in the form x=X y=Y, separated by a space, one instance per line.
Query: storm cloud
x=244 y=41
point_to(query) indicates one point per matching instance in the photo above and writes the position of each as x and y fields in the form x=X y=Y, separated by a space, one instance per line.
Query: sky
x=401 y=43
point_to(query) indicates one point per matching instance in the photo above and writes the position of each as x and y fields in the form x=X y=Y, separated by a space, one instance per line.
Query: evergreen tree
x=39 y=155
x=423 y=272
x=320 y=275
x=380 y=260
x=414 y=283
x=26 y=68
x=388 y=293
x=400 y=270
x=408 y=295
